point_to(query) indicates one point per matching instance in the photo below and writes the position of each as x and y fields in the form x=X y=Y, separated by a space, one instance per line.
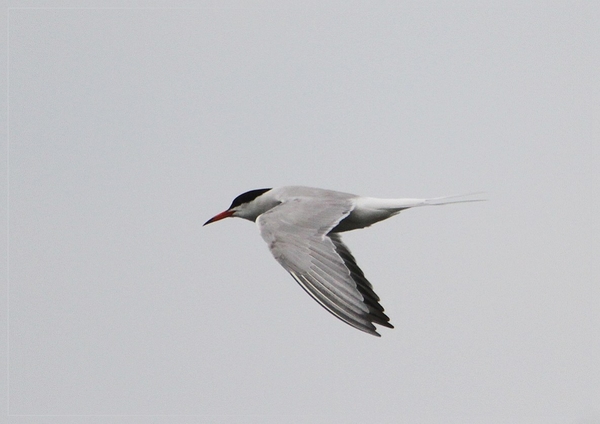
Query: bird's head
x=247 y=205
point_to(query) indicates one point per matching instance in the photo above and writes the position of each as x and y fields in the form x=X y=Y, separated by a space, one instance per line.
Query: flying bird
x=302 y=227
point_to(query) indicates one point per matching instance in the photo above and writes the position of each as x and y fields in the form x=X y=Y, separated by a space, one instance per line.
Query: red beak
x=222 y=215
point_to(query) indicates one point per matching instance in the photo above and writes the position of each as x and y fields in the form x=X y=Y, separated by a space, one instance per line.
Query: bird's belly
x=362 y=218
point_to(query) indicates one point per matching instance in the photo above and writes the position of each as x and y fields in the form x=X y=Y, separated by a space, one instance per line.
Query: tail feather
x=369 y=210
x=371 y=204
x=438 y=201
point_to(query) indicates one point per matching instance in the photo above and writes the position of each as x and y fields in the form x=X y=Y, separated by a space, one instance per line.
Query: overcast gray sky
x=128 y=128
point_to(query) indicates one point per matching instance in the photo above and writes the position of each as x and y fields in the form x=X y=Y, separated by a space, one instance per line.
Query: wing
x=297 y=232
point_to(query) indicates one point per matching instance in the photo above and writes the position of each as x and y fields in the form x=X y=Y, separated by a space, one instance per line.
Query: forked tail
x=438 y=201
x=396 y=205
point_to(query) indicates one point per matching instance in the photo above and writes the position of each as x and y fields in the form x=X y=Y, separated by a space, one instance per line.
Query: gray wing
x=297 y=232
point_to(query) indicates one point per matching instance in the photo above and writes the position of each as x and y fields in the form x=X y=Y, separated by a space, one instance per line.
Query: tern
x=302 y=227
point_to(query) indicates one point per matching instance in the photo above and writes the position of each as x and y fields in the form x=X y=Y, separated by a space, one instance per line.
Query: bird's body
x=301 y=226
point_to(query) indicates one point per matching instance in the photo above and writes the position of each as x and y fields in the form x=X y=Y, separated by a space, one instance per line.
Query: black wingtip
x=376 y=314
x=378 y=317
